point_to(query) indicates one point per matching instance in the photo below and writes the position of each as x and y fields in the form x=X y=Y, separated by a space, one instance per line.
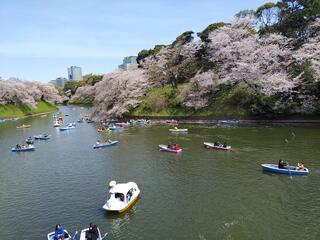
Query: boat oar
x=75 y=234
x=104 y=236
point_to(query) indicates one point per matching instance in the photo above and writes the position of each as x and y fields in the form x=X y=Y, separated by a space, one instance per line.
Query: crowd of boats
x=121 y=196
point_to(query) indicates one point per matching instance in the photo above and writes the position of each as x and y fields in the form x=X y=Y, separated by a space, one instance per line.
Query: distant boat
x=29 y=140
x=115 y=128
x=23 y=148
x=24 y=126
x=227 y=122
x=42 y=137
x=56 y=124
x=166 y=149
x=216 y=147
x=67 y=128
x=106 y=144
x=177 y=130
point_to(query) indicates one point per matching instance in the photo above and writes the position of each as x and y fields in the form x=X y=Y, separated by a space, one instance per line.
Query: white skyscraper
x=74 y=73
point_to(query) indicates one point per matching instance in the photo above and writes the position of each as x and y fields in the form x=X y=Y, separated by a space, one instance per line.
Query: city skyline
x=43 y=38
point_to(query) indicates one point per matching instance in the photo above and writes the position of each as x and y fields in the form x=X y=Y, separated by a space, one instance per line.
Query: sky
x=41 y=39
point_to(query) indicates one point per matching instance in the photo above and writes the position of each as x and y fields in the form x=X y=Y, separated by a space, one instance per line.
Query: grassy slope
x=223 y=105
x=20 y=110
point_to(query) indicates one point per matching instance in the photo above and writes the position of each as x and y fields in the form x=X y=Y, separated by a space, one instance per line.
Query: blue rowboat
x=226 y=122
x=287 y=170
x=102 y=145
x=66 y=128
x=26 y=149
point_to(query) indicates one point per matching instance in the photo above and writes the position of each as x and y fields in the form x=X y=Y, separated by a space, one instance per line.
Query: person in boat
x=225 y=145
x=59 y=232
x=216 y=143
x=175 y=147
x=281 y=164
x=169 y=146
x=98 y=142
x=18 y=146
x=92 y=233
x=108 y=141
x=300 y=166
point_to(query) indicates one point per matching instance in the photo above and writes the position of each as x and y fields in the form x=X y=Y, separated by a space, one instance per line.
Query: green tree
x=296 y=15
x=205 y=33
x=72 y=86
x=184 y=38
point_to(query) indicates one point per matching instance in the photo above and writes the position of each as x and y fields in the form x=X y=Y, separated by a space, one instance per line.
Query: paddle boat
x=67 y=128
x=228 y=122
x=121 y=196
x=2 y=120
x=23 y=148
x=56 y=123
x=105 y=144
x=29 y=140
x=91 y=233
x=167 y=149
x=67 y=236
x=42 y=137
x=178 y=130
x=213 y=146
x=290 y=170
x=24 y=126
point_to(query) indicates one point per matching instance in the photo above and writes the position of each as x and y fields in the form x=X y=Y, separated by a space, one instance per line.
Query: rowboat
x=291 y=170
x=23 y=149
x=107 y=144
x=178 y=130
x=115 y=128
x=29 y=140
x=42 y=137
x=88 y=234
x=67 y=236
x=121 y=196
x=166 y=149
x=67 y=128
x=24 y=126
x=227 y=122
x=215 y=147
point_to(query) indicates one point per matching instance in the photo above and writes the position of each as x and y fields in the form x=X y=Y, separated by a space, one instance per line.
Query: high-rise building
x=74 y=73
x=59 y=82
x=129 y=63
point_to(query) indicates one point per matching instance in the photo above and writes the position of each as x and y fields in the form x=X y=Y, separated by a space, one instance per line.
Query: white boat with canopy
x=121 y=196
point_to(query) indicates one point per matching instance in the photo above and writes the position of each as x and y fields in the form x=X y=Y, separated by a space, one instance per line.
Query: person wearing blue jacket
x=59 y=232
